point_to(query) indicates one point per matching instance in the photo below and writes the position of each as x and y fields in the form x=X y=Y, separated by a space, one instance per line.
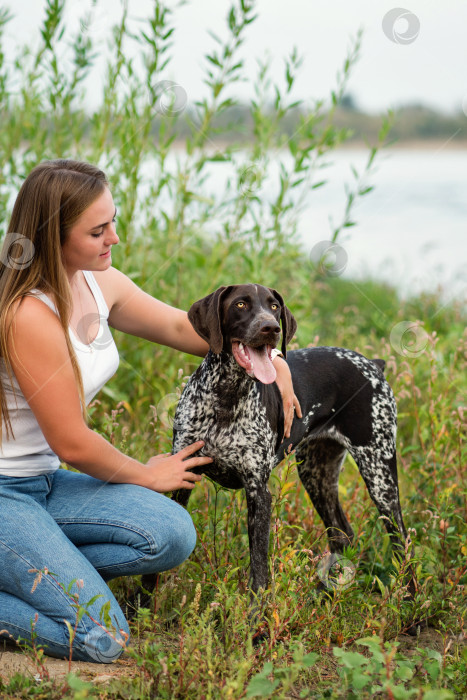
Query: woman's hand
x=171 y=472
x=289 y=400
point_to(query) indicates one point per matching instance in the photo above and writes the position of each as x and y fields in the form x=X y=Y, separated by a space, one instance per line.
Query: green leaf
x=93 y=599
x=214 y=60
x=432 y=668
x=309 y=659
x=70 y=629
x=350 y=659
x=373 y=643
x=381 y=586
x=81 y=613
x=360 y=680
x=399 y=692
x=260 y=685
x=438 y=695
x=77 y=684
x=404 y=672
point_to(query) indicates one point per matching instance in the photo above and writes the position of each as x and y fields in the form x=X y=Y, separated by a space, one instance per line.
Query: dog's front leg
x=258 y=501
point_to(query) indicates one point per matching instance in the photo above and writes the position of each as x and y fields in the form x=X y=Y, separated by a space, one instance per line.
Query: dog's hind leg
x=380 y=476
x=319 y=464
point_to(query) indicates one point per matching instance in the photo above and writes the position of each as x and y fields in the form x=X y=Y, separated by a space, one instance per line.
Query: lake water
x=411 y=229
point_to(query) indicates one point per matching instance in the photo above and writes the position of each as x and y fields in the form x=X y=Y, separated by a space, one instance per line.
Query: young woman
x=58 y=296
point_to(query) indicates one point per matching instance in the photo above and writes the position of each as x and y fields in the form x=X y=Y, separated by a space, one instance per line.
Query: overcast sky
x=422 y=60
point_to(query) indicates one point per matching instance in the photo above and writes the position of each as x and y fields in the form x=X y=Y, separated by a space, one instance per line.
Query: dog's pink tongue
x=263 y=368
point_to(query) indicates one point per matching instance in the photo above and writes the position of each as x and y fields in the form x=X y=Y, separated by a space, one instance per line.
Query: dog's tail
x=380 y=363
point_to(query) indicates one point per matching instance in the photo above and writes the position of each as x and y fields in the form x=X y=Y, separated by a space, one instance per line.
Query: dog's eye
x=240 y=304
x=274 y=307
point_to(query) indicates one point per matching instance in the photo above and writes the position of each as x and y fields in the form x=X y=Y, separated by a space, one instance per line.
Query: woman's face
x=89 y=241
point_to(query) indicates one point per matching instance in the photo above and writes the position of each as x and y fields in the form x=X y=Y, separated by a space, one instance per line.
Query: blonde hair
x=51 y=199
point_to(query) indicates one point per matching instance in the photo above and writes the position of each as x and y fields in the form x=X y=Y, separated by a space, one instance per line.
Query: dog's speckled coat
x=346 y=402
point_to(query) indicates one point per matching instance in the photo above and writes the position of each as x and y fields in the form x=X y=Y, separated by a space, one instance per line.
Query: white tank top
x=29 y=454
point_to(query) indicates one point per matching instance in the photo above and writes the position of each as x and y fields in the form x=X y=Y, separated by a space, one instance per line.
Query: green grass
x=180 y=241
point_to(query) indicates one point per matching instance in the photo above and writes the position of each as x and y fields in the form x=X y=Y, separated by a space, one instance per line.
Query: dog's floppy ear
x=380 y=363
x=205 y=317
x=289 y=324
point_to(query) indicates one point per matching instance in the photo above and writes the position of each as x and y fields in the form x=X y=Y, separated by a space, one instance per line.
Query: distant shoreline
x=409 y=145
x=414 y=145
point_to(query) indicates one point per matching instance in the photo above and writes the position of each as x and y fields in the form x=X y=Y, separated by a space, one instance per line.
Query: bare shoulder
x=113 y=284
x=37 y=343
x=34 y=322
x=30 y=310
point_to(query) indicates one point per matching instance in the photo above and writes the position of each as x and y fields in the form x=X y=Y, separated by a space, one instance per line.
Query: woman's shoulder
x=34 y=323
x=35 y=309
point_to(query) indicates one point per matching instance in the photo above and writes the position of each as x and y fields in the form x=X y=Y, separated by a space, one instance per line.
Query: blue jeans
x=83 y=530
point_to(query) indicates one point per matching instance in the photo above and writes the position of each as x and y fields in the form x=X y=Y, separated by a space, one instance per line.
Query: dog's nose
x=272 y=327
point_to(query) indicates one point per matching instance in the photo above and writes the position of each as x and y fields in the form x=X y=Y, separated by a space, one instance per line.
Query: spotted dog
x=233 y=403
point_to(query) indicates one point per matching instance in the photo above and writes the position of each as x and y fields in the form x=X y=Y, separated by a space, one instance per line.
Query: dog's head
x=245 y=320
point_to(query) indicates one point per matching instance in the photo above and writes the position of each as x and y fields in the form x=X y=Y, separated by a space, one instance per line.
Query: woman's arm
x=42 y=366
x=135 y=312
x=289 y=400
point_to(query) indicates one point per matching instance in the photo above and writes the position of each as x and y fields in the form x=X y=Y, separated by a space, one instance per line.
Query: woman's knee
x=173 y=538
x=180 y=539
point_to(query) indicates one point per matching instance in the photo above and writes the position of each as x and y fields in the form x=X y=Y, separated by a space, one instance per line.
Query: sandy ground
x=15 y=661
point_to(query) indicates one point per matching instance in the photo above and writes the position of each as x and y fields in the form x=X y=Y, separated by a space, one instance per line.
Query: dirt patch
x=15 y=661
x=430 y=638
